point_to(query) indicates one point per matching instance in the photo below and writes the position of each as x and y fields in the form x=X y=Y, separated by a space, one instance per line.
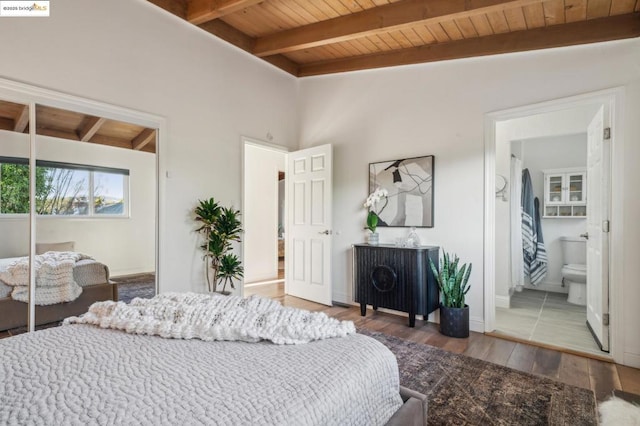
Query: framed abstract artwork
x=409 y=182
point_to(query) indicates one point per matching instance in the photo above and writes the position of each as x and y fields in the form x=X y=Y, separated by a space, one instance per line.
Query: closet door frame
x=32 y=95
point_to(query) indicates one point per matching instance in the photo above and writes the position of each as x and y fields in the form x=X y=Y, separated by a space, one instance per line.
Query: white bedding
x=82 y=374
x=5 y=290
x=54 y=277
x=214 y=317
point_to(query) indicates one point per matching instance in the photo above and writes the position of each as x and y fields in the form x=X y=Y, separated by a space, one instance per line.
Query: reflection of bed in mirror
x=92 y=276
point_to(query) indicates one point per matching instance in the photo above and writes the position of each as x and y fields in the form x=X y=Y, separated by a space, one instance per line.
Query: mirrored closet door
x=93 y=231
x=14 y=216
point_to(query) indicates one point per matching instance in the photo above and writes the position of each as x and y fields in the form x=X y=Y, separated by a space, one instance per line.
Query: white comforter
x=54 y=277
x=82 y=374
x=214 y=317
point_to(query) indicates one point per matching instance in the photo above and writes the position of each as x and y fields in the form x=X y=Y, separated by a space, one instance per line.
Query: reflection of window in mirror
x=90 y=172
x=63 y=189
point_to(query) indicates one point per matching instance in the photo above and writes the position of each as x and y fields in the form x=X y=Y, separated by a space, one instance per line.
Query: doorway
x=264 y=213
x=547 y=301
x=306 y=213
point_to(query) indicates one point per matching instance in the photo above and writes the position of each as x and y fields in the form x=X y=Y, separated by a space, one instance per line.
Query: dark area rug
x=468 y=391
x=132 y=286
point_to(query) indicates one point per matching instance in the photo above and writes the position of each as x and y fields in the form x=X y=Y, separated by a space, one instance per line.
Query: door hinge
x=605 y=226
x=605 y=319
x=606 y=133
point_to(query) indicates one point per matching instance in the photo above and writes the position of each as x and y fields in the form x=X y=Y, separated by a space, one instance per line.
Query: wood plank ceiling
x=76 y=126
x=311 y=37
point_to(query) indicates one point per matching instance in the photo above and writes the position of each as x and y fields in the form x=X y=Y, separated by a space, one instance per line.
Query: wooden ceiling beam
x=110 y=141
x=201 y=11
x=22 y=120
x=239 y=39
x=178 y=8
x=91 y=126
x=57 y=133
x=7 y=124
x=221 y=29
x=583 y=32
x=143 y=138
x=391 y=17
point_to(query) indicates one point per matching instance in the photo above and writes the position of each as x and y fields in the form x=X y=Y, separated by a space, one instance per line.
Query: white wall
x=126 y=245
x=261 y=212
x=133 y=54
x=554 y=153
x=130 y=53
x=439 y=109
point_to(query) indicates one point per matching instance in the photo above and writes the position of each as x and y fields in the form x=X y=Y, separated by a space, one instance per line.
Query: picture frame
x=409 y=182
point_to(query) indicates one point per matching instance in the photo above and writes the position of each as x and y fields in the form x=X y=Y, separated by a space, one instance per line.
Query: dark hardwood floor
x=600 y=376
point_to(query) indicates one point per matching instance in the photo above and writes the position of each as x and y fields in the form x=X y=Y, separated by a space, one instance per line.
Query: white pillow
x=45 y=247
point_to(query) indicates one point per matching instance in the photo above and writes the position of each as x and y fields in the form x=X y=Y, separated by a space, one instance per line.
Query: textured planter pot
x=373 y=239
x=454 y=322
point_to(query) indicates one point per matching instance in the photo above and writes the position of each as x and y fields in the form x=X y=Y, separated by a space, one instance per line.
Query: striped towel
x=534 y=252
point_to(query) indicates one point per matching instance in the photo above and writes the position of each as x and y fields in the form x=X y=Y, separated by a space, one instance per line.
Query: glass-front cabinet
x=565 y=192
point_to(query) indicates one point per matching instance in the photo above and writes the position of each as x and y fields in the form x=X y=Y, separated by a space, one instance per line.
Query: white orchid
x=372 y=200
x=375 y=197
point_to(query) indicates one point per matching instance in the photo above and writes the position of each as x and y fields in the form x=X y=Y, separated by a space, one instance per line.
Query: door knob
x=325 y=232
x=585 y=235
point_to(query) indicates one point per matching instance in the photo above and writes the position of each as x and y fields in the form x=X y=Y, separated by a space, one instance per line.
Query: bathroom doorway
x=542 y=259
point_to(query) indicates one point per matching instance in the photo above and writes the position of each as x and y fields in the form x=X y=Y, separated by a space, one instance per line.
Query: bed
x=84 y=374
x=89 y=274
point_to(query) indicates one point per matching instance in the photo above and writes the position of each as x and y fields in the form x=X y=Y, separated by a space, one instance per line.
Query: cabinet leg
x=412 y=320
x=363 y=309
x=375 y=308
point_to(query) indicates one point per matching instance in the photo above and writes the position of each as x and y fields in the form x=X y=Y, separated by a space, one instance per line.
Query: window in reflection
x=63 y=189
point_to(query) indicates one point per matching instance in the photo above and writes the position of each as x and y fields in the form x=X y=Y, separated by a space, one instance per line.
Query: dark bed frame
x=14 y=313
x=413 y=412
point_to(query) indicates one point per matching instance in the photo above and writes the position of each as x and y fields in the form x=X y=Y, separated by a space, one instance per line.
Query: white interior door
x=597 y=230
x=308 y=231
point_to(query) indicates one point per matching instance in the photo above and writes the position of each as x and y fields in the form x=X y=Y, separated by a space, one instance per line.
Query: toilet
x=574 y=270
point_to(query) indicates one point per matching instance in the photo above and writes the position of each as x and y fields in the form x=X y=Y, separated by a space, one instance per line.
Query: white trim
x=261 y=283
x=247 y=141
x=28 y=94
x=614 y=98
x=565 y=170
x=476 y=324
x=503 y=302
x=632 y=360
x=489 y=221
x=31 y=300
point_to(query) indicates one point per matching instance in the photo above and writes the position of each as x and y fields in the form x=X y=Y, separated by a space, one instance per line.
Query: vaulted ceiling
x=311 y=37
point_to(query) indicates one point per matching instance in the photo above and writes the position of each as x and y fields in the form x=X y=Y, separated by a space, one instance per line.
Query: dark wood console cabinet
x=399 y=278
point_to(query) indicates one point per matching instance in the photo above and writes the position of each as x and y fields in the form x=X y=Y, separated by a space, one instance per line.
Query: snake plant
x=453 y=282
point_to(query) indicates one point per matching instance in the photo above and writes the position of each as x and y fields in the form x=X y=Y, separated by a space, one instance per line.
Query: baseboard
x=551 y=287
x=476 y=324
x=503 y=302
x=631 y=360
x=127 y=272
x=341 y=297
x=259 y=283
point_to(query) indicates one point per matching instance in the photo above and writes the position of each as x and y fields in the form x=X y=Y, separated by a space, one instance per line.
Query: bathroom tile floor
x=547 y=317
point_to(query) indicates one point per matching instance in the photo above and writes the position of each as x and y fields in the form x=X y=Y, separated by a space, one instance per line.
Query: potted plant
x=454 y=285
x=220 y=227
x=373 y=213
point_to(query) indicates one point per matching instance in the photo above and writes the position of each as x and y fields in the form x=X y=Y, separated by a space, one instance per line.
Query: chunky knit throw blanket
x=214 y=317
x=54 y=277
